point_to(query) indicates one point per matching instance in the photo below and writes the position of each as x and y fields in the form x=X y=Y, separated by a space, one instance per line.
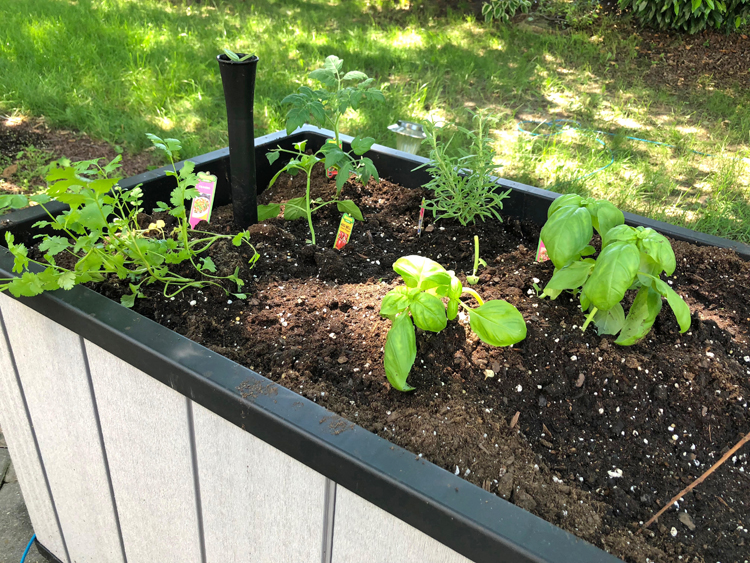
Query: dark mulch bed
x=661 y=412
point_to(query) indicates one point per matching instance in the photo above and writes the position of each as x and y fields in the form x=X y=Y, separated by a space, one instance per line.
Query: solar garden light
x=408 y=135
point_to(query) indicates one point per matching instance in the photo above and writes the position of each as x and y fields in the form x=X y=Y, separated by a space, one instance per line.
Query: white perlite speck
x=519 y=388
x=615 y=473
x=673 y=532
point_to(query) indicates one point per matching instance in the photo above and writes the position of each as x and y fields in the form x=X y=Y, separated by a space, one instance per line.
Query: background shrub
x=691 y=16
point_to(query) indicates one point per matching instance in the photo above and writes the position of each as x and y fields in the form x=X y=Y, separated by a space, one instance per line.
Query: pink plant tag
x=541 y=252
x=421 y=218
x=204 y=202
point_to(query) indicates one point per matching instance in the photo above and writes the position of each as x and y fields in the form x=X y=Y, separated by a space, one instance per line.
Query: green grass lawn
x=117 y=69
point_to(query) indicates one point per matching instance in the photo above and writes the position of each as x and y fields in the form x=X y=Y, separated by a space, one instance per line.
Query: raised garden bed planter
x=133 y=443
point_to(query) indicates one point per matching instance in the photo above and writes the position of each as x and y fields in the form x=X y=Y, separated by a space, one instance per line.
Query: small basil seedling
x=420 y=303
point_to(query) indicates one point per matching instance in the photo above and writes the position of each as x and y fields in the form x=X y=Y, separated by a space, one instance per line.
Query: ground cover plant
x=154 y=70
x=101 y=236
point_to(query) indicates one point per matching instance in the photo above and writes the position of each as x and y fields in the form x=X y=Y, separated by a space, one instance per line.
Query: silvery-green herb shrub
x=463 y=184
x=101 y=236
x=630 y=258
x=420 y=303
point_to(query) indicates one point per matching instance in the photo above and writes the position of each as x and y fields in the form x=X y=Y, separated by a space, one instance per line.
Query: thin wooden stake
x=697 y=482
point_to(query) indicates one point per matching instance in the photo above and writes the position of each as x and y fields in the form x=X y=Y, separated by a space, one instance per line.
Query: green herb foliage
x=503 y=10
x=630 y=258
x=463 y=186
x=235 y=57
x=325 y=107
x=100 y=236
x=420 y=302
x=473 y=279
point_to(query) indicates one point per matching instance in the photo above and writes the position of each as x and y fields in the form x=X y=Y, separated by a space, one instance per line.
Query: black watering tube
x=238 y=78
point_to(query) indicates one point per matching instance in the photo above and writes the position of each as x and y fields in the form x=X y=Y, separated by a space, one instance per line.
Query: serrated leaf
x=400 y=351
x=498 y=323
x=66 y=280
x=361 y=145
x=268 y=211
x=54 y=245
x=296 y=209
x=208 y=265
x=355 y=75
x=128 y=300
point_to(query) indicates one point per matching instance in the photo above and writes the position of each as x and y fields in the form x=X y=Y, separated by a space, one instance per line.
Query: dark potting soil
x=590 y=436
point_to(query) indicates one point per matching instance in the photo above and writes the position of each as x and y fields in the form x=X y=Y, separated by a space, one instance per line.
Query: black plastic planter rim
x=473 y=522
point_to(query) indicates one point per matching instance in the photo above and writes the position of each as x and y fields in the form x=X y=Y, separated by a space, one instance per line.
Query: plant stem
x=589 y=318
x=476 y=256
x=474 y=294
x=309 y=211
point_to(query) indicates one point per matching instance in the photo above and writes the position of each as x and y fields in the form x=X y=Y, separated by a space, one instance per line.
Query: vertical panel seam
x=103 y=448
x=329 y=513
x=196 y=479
x=33 y=434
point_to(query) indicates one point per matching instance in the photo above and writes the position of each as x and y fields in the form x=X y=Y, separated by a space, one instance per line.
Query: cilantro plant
x=463 y=184
x=325 y=107
x=420 y=302
x=630 y=258
x=19 y=201
x=100 y=235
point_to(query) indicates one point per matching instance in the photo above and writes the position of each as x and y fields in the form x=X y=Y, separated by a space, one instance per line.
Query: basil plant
x=630 y=258
x=420 y=302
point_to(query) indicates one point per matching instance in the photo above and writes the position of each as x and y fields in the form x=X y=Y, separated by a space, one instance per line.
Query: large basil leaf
x=676 y=303
x=622 y=233
x=571 y=276
x=610 y=322
x=564 y=201
x=428 y=312
x=658 y=247
x=421 y=272
x=641 y=317
x=613 y=274
x=607 y=217
x=498 y=323
x=399 y=352
x=395 y=301
x=566 y=234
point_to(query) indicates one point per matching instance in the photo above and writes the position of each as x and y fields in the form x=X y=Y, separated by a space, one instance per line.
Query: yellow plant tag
x=345 y=231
